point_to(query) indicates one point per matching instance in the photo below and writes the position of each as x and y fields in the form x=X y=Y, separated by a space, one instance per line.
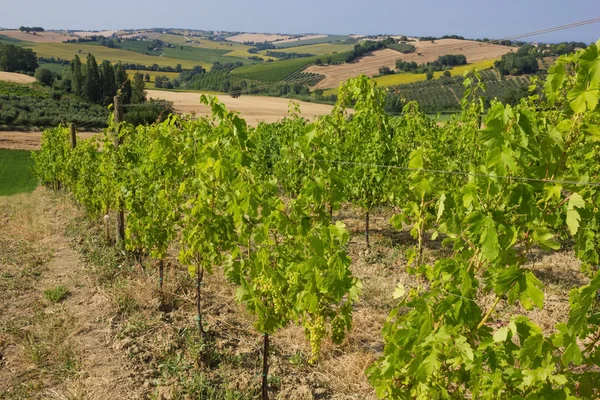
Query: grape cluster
x=338 y=329
x=316 y=331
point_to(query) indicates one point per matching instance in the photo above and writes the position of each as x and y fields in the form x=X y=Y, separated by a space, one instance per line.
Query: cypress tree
x=93 y=86
x=138 y=92
x=77 y=77
x=109 y=86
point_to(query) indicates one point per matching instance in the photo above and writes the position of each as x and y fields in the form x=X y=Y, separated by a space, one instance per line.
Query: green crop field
x=208 y=55
x=318 y=49
x=183 y=52
x=16 y=175
x=399 y=79
x=67 y=51
x=153 y=75
x=328 y=39
x=54 y=67
x=278 y=70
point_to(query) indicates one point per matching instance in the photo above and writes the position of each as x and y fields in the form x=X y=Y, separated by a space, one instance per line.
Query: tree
x=138 y=92
x=76 y=76
x=447 y=74
x=318 y=61
x=126 y=92
x=44 y=76
x=178 y=68
x=147 y=77
x=14 y=58
x=109 y=87
x=385 y=70
x=429 y=74
x=93 y=85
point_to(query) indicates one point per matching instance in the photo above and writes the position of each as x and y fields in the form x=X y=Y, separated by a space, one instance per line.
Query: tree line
x=17 y=59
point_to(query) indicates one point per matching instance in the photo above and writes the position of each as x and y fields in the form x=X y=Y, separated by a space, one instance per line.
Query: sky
x=469 y=18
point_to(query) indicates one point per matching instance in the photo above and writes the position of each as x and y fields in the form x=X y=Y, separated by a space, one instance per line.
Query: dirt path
x=64 y=349
x=28 y=140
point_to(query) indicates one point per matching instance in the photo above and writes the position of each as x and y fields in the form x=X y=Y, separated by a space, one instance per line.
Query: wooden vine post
x=73 y=136
x=118 y=103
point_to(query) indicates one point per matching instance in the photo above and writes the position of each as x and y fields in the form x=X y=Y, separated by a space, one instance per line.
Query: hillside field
x=317 y=49
x=425 y=52
x=16 y=78
x=39 y=37
x=278 y=70
x=67 y=51
x=254 y=108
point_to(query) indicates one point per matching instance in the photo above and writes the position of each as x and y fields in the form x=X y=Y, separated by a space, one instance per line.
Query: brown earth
x=370 y=64
x=29 y=140
x=53 y=349
x=255 y=109
x=39 y=37
x=17 y=78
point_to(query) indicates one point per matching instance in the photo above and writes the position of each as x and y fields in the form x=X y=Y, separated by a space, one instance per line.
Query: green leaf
x=544 y=239
x=489 y=239
x=581 y=301
x=399 y=291
x=501 y=334
x=573 y=217
x=583 y=100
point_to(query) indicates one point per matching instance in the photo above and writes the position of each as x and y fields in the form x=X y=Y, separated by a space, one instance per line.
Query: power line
x=462 y=173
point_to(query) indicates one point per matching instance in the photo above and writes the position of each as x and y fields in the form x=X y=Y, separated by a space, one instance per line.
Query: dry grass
x=257 y=37
x=254 y=108
x=17 y=78
x=38 y=37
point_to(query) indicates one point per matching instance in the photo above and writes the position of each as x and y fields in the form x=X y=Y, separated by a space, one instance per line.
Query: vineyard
x=444 y=94
x=402 y=47
x=305 y=78
x=482 y=201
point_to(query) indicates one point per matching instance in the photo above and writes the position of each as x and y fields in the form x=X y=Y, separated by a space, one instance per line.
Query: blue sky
x=470 y=18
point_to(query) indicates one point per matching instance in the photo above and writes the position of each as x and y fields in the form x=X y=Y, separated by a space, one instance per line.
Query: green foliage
x=44 y=76
x=14 y=58
x=56 y=294
x=439 y=340
x=32 y=108
x=493 y=191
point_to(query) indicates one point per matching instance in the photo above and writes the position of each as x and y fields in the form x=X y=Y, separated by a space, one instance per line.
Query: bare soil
x=370 y=64
x=29 y=140
x=255 y=109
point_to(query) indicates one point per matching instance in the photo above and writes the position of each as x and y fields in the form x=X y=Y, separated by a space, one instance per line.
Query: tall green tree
x=138 y=89
x=109 y=86
x=93 y=85
x=123 y=84
x=76 y=76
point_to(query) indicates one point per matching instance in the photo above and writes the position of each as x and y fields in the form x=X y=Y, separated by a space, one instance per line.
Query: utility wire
x=462 y=173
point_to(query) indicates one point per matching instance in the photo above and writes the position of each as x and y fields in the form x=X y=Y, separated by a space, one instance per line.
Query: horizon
x=467 y=18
